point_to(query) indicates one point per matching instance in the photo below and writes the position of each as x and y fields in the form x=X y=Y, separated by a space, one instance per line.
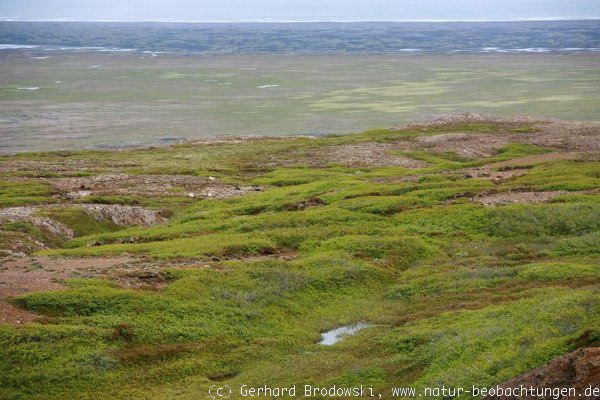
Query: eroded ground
x=161 y=271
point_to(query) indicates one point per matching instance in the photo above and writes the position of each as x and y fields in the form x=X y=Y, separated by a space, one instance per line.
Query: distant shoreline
x=4 y=47
x=259 y=21
x=444 y=37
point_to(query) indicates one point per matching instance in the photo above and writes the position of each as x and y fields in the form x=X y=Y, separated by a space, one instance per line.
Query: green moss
x=524 y=129
x=562 y=175
x=23 y=192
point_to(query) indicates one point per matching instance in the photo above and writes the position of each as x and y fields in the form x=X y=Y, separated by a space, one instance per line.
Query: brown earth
x=145 y=185
x=486 y=172
x=467 y=145
x=517 y=197
x=26 y=274
x=578 y=370
x=368 y=154
x=554 y=134
x=479 y=145
x=22 y=275
x=570 y=135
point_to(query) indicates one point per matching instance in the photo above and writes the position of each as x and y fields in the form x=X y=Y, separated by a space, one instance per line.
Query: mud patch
x=579 y=370
x=31 y=274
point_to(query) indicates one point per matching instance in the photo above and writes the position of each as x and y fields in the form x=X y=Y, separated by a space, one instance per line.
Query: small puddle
x=335 y=335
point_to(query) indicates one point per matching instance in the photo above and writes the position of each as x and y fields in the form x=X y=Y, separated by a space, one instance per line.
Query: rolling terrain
x=465 y=247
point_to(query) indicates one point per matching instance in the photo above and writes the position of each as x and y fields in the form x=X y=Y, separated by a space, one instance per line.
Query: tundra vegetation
x=109 y=99
x=469 y=244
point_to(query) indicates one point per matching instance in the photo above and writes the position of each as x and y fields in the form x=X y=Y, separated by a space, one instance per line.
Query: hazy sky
x=298 y=10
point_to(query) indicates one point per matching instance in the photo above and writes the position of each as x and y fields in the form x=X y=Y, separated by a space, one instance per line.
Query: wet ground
x=112 y=100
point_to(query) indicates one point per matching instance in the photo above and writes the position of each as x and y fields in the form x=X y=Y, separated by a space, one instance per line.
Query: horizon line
x=266 y=21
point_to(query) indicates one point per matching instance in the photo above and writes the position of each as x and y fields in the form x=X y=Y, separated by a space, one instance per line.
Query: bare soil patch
x=146 y=185
x=10 y=314
x=496 y=176
x=554 y=134
x=518 y=197
x=367 y=154
x=22 y=275
x=567 y=135
x=467 y=145
x=30 y=274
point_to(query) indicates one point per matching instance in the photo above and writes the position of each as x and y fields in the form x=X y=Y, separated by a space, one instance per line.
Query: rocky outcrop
x=579 y=370
x=123 y=215
x=27 y=214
